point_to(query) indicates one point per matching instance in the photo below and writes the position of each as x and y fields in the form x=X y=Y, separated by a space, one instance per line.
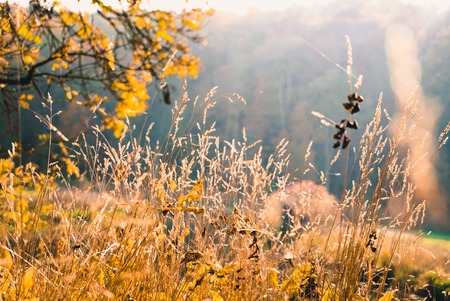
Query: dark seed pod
x=337 y=144
x=338 y=135
x=355 y=97
x=75 y=247
x=341 y=125
x=345 y=142
x=348 y=106
x=166 y=95
x=352 y=124
x=120 y=232
x=355 y=109
x=351 y=97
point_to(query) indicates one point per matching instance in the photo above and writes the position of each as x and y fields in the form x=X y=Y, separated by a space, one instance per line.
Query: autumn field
x=183 y=221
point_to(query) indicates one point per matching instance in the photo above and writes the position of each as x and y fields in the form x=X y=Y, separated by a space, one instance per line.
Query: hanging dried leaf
x=352 y=124
x=338 y=135
x=345 y=142
x=355 y=109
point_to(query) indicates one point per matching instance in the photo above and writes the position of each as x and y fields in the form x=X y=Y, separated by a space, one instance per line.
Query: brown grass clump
x=188 y=219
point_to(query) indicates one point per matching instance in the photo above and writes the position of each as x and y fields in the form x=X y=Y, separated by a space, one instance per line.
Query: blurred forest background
x=286 y=65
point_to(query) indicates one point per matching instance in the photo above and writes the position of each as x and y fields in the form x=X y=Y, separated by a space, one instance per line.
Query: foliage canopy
x=118 y=51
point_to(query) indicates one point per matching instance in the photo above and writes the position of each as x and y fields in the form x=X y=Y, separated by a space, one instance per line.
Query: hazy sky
x=240 y=7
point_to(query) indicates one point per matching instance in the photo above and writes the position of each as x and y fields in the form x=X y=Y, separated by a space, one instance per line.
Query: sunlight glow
x=239 y=7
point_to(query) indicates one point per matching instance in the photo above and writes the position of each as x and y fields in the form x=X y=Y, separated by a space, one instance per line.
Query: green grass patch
x=439 y=235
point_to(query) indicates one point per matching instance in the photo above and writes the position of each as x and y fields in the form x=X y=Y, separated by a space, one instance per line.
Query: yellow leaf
x=142 y=22
x=192 y=24
x=21 y=205
x=23 y=101
x=28 y=280
x=330 y=295
x=273 y=278
x=286 y=285
x=147 y=76
x=216 y=296
x=227 y=269
x=298 y=279
x=72 y=168
x=173 y=185
x=25 y=32
x=55 y=66
x=5 y=280
x=43 y=137
x=67 y=17
x=6 y=165
x=193 y=71
x=64 y=64
x=110 y=56
x=5 y=25
x=183 y=71
x=162 y=34
x=6 y=261
x=103 y=41
x=111 y=60
x=302 y=272
x=116 y=125
x=85 y=30
x=28 y=60
x=387 y=296
x=105 y=8
x=194 y=195
x=196 y=192
x=181 y=200
x=133 y=95
x=101 y=278
x=118 y=86
x=46 y=209
x=170 y=69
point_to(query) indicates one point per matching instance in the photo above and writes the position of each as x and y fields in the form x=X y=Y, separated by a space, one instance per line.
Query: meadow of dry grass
x=183 y=220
